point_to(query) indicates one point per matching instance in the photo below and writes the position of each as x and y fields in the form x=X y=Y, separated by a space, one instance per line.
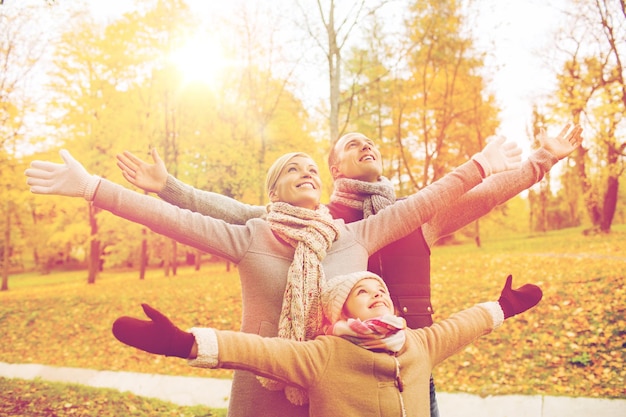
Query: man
x=360 y=190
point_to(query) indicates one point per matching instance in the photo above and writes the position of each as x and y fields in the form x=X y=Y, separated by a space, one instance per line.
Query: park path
x=214 y=393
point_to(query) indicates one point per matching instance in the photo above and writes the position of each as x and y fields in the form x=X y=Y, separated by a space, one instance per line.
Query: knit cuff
x=544 y=158
x=172 y=190
x=481 y=160
x=206 y=340
x=91 y=186
x=494 y=309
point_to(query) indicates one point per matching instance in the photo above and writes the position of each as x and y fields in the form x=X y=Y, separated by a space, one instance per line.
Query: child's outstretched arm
x=286 y=360
x=448 y=336
x=157 y=335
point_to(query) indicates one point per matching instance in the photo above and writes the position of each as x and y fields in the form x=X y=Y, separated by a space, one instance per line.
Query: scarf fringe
x=296 y=396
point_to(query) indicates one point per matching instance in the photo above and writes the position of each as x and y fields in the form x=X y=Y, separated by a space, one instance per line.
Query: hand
x=148 y=177
x=564 y=144
x=157 y=335
x=517 y=301
x=499 y=155
x=70 y=179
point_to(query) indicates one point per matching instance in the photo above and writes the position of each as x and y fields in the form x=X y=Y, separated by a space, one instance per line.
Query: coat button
x=405 y=310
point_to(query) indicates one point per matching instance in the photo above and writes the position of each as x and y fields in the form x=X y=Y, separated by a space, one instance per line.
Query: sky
x=514 y=32
x=521 y=30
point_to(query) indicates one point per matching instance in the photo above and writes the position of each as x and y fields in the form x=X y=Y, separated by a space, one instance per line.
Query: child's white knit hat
x=336 y=290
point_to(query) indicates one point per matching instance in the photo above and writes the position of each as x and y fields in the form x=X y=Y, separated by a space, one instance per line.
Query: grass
x=571 y=344
x=19 y=398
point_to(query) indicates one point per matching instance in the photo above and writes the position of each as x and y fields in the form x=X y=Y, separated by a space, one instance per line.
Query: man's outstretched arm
x=503 y=186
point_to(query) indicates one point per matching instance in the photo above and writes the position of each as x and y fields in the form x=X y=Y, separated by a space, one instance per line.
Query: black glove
x=158 y=335
x=517 y=301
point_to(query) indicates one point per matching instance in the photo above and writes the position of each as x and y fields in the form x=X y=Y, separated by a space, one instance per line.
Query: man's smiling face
x=357 y=157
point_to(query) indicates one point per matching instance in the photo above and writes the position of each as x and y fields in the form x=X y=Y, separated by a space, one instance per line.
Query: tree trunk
x=174 y=257
x=93 y=265
x=143 y=255
x=167 y=258
x=610 y=203
x=590 y=196
x=334 y=73
x=6 y=251
x=477 y=232
x=198 y=260
x=612 y=186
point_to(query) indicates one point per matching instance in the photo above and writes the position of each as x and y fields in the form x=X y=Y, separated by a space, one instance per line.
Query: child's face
x=368 y=299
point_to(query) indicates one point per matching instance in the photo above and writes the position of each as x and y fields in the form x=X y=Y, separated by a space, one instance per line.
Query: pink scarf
x=311 y=233
x=385 y=333
x=369 y=197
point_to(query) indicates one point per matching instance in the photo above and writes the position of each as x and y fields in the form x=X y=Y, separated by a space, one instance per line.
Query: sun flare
x=200 y=59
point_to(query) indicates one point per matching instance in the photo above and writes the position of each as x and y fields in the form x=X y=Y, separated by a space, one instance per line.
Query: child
x=367 y=364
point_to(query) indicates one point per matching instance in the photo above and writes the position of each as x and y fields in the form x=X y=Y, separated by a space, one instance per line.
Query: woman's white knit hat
x=336 y=290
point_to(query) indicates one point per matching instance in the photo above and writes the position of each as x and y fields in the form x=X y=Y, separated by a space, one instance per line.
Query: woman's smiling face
x=298 y=184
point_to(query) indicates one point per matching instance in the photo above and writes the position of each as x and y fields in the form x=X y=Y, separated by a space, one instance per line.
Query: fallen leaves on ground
x=20 y=398
x=573 y=343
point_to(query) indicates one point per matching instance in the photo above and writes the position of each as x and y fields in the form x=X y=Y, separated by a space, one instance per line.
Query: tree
x=22 y=46
x=426 y=99
x=331 y=34
x=592 y=90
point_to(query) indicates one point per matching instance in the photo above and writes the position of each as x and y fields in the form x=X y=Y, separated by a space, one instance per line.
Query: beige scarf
x=311 y=233
x=370 y=197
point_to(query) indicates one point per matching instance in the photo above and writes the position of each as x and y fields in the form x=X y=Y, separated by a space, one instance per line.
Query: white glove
x=70 y=179
x=499 y=155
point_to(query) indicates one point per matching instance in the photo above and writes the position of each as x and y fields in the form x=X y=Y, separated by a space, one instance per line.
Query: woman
x=375 y=367
x=281 y=259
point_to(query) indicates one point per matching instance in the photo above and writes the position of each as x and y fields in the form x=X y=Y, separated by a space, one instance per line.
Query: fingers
x=65 y=155
x=128 y=177
x=542 y=135
x=127 y=172
x=41 y=176
x=155 y=155
x=147 y=309
x=509 y=282
x=498 y=139
x=564 y=131
x=39 y=185
x=127 y=161
x=511 y=149
x=132 y=158
x=39 y=189
x=575 y=137
x=154 y=314
x=513 y=155
x=570 y=135
x=43 y=169
x=38 y=181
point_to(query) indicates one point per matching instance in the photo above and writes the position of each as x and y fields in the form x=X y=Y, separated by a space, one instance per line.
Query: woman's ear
x=334 y=172
x=273 y=197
